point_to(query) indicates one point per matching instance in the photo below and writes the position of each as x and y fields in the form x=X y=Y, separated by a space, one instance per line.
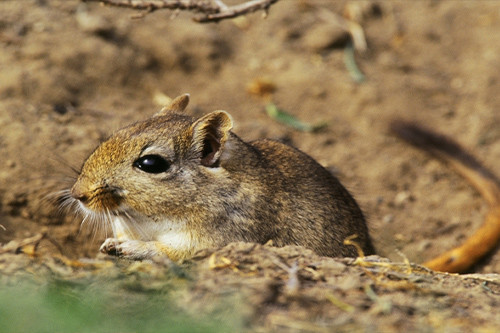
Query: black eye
x=152 y=164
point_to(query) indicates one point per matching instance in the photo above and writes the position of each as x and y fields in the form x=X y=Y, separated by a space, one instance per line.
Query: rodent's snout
x=78 y=193
x=75 y=193
x=100 y=197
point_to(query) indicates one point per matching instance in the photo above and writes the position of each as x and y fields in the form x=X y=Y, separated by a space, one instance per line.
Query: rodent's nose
x=78 y=195
x=81 y=197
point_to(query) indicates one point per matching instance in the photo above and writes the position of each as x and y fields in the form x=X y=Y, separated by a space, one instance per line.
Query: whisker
x=62 y=161
x=99 y=220
x=109 y=223
x=83 y=223
x=128 y=222
x=100 y=223
x=138 y=227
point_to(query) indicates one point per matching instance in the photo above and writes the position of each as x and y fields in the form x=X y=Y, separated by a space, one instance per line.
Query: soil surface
x=72 y=73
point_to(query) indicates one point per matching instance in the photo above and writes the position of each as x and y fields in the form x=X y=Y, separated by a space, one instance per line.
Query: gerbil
x=172 y=185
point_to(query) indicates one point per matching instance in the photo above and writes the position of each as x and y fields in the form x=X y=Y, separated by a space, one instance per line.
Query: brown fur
x=218 y=189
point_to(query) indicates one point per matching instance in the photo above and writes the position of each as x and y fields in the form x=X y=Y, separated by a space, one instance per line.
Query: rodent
x=172 y=185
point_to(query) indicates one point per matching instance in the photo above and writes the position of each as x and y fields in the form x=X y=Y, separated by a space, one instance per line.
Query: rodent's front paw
x=130 y=249
x=111 y=246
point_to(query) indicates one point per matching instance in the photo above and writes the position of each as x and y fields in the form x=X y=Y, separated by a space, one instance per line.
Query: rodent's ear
x=210 y=133
x=178 y=104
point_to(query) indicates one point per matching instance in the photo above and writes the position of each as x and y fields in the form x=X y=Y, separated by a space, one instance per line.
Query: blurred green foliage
x=62 y=306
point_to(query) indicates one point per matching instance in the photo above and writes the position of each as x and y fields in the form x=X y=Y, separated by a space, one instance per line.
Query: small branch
x=226 y=12
x=202 y=6
x=211 y=11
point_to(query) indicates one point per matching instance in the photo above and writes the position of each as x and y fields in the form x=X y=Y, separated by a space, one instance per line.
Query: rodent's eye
x=152 y=164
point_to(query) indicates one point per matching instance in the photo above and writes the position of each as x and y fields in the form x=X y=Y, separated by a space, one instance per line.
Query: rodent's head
x=154 y=168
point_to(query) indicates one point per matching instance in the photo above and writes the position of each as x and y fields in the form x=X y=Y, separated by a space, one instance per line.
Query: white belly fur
x=173 y=234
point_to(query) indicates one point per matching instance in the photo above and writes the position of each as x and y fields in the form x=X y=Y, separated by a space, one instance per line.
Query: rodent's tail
x=485 y=239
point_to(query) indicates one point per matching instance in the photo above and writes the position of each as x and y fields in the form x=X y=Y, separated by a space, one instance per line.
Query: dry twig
x=211 y=11
x=352 y=27
x=487 y=237
x=28 y=245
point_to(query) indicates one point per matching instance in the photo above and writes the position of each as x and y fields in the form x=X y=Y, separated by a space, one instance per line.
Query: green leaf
x=285 y=118
x=350 y=64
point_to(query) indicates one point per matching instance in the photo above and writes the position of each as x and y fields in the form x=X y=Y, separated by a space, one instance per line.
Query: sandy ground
x=71 y=73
